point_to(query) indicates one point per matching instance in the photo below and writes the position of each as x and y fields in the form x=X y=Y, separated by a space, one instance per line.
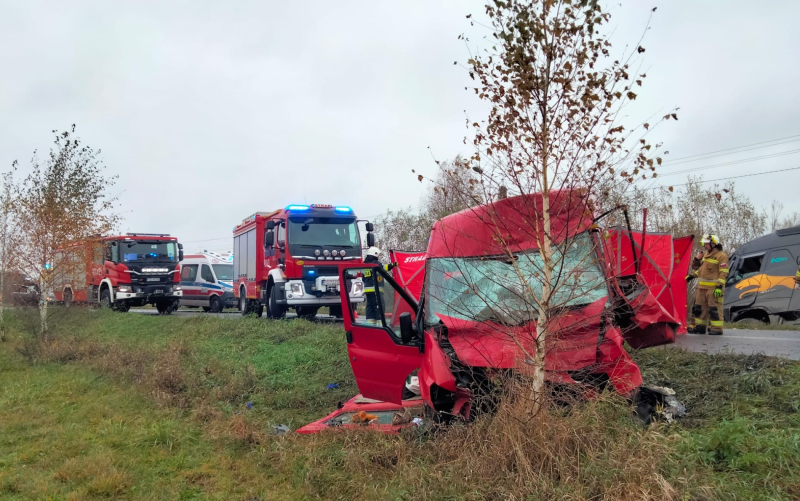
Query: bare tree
x=553 y=136
x=695 y=210
x=5 y=222
x=62 y=201
x=454 y=189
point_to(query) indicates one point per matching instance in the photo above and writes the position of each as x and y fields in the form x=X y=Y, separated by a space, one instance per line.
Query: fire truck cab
x=290 y=258
x=121 y=271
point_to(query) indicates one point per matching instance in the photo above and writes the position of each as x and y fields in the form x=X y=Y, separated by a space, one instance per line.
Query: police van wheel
x=215 y=305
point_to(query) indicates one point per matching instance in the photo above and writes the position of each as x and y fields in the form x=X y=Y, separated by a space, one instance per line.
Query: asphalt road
x=784 y=344
x=230 y=314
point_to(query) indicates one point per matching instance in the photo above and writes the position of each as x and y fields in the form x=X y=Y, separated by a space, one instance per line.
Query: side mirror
x=270 y=225
x=406 y=328
x=269 y=238
x=180 y=252
x=370 y=240
x=370 y=227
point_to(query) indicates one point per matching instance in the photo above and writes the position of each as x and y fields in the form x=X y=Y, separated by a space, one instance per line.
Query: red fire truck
x=290 y=258
x=121 y=271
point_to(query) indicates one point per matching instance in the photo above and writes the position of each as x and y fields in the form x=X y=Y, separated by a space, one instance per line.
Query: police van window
x=188 y=273
x=746 y=267
x=780 y=258
x=205 y=274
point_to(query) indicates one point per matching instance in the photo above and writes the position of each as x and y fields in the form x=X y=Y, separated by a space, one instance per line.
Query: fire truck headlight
x=317 y=252
x=342 y=253
x=297 y=289
x=124 y=288
x=326 y=253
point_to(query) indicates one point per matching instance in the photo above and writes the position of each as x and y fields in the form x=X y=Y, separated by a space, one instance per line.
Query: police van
x=207 y=281
x=760 y=286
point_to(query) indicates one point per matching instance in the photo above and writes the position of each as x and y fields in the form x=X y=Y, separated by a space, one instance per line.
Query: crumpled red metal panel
x=511 y=224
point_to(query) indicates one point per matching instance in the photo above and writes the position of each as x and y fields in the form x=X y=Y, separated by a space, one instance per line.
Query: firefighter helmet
x=710 y=239
x=374 y=252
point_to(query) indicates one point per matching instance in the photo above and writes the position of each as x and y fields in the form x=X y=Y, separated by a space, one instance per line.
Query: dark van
x=760 y=286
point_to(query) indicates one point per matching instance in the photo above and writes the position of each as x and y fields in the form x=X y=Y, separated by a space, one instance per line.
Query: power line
x=732 y=162
x=726 y=178
x=673 y=160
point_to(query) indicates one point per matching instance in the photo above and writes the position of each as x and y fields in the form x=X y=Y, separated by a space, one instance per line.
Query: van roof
x=780 y=238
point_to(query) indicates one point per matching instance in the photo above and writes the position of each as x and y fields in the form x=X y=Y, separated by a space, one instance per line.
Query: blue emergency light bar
x=297 y=207
x=346 y=210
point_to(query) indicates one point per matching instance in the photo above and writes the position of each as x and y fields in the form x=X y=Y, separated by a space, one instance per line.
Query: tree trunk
x=42 y=311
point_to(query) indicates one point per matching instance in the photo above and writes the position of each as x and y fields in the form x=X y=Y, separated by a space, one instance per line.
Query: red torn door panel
x=380 y=362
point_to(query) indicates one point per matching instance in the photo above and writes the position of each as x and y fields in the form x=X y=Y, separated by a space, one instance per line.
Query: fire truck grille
x=324 y=271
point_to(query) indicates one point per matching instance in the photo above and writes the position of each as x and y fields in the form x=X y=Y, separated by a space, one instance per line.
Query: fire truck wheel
x=215 y=305
x=105 y=298
x=243 y=303
x=257 y=308
x=307 y=312
x=274 y=310
x=122 y=307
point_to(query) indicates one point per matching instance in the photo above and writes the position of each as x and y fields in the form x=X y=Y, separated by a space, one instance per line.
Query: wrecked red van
x=475 y=318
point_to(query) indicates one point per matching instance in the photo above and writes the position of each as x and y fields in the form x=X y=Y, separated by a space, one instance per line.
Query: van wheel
x=751 y=322
x=105 y=298
x=215 y=305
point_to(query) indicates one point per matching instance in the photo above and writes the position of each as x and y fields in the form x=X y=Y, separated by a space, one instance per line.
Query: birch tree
x=63 y=200
x=5 y=230
x=555 y=94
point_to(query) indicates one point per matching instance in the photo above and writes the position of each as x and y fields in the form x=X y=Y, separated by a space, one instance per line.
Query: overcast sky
x=210 y=111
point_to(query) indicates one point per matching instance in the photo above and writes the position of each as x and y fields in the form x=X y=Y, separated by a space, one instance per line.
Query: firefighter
x=797 y=279
x=711 y=267
x=370 y=284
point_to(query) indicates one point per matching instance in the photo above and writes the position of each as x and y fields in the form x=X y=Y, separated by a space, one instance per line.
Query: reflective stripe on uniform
x=709 y=260
x=699 y=321
x=721 y=280
x=369 y=289
x=709 y=284
x=798 y=273
x=716 y=323
x=724 y=270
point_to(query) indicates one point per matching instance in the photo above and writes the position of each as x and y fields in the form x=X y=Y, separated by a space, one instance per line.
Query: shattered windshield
x=493 y=288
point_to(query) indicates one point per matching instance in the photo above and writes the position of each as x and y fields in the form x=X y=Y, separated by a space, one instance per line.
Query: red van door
x=381 y=361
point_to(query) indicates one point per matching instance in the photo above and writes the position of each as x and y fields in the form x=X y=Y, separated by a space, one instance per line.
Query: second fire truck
x=290 y=258
x=121 y=271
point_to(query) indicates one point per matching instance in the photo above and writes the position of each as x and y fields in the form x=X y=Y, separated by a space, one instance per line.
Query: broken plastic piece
x=363 y=417
x=281 y=429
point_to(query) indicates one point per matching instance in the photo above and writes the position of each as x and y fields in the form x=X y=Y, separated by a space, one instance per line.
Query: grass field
x=145 y=407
